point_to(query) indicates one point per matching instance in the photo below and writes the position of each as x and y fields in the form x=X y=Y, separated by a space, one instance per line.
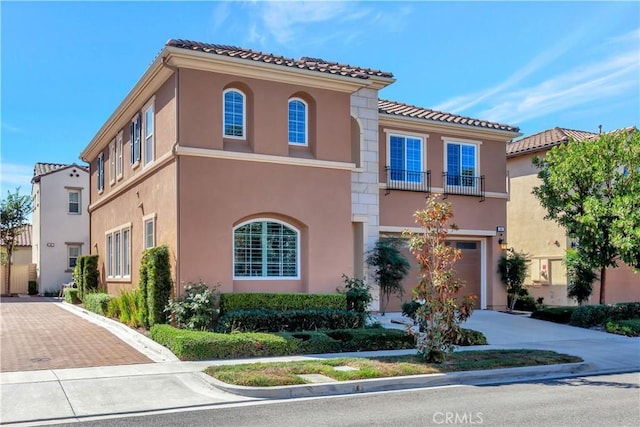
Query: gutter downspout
x=176 y=77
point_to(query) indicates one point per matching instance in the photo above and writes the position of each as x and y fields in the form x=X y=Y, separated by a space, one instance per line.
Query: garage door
x=467 y=268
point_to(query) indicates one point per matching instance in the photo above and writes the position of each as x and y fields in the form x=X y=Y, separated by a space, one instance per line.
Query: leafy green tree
x=591 y=189
x=442 y=312
x=512 y=268
x=14 y=211
x=390 y=268
x=579 y=275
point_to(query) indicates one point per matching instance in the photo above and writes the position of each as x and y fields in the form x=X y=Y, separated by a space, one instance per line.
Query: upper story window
x=406 y=158
x=112 y=162
x=462 y=164
x=298 y=120
x=100 y=172
x=266 y=249
x=119 y=156
x=234 y=114
x=148 y=120
x=135 y=132
x=74 y=202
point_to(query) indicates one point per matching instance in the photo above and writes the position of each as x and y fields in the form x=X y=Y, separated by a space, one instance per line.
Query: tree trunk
x=9 y=276
x=603 y=273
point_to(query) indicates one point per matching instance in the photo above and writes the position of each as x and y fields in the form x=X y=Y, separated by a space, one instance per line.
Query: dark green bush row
x=288 y=320
x=525 y=303
x=71 y=296
x=630 y=328
x=198 y=345
x=155 y=284
x=86 y=275
x=554 y=314
x=587 y=316
x=97 y=302
x=280 y=301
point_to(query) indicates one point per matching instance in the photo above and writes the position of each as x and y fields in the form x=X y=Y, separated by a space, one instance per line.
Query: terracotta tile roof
x=405 y=110
x=305 y=63
x=546 y=139
x=24 y=238
x=41 y=169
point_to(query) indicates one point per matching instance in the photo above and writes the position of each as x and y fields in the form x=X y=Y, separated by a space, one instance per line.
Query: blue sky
x=65 y=66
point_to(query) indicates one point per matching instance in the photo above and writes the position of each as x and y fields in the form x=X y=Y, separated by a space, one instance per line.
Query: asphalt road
x=611 y=400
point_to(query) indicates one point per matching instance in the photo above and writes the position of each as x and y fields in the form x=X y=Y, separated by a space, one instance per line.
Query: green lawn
x=287 y=373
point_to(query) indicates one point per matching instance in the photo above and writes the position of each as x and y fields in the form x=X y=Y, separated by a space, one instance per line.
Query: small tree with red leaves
x=440 y=315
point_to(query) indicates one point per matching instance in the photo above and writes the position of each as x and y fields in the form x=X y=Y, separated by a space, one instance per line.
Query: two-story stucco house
x=264 y=173
x=544 y=240
x=60 y=222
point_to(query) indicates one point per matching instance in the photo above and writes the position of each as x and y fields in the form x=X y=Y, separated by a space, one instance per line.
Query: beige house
x=544 y=240
x=264 y=173
x=22 y=270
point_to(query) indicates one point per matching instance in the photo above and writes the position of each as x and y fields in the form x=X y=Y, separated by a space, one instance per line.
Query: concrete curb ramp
x=490 y=376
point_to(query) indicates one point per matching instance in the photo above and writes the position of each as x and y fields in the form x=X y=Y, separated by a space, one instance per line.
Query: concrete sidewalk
x=65 y=395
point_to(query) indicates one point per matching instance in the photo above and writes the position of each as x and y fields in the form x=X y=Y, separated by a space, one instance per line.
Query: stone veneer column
x=365 y=193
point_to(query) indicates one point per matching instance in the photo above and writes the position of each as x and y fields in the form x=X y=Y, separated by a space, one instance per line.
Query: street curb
x=144 y=345
x=492 y=376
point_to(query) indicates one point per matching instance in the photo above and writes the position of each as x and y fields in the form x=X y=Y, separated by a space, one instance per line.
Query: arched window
x=266 y=249
x=298 y=121
x=234 y=114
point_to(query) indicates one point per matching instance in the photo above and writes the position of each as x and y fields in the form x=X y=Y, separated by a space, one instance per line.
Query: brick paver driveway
x=37 y=334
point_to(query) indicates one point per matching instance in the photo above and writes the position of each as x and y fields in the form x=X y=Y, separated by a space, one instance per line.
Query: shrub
x=33 y=287
x=579 y=275
x=630 y=327
x=390 y=268
x=587 y=316
x=512 y=268
x=409 y=309
x=91 y=275
x=128 y=308
x=196 y=309
x=471 y=337
x=71 y=295
x=78 y=274
x=525 y=303
x=199 y=345
x=554 y=314
x=280 y=301
x=155 y=283
x=358 y=294
x=97 y=302
x=287 y=320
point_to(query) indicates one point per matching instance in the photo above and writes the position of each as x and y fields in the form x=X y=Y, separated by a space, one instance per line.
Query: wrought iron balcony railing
x=406 y=180
x=463 y=185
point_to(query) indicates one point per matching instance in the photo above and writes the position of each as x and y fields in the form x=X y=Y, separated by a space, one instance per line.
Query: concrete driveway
x=36 y=333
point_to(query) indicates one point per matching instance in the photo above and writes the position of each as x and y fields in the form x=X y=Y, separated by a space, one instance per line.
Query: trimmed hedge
x=155 y=284
x=630 y=327
x=86 y=275
x=554 y=314
x=587 y=316
x=287 y=320
x=199 y=345
x=97 y=302
x=71 y=295
x=471 y=337
x=281 y=301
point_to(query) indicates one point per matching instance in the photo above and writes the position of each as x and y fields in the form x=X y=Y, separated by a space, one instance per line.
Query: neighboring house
x=60 y=222
x=544 y=240
x=22 y=270
x=264 y=173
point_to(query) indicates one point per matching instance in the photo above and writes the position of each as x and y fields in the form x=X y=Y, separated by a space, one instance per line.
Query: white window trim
x=233 y=254
x=136 y=162
x=143 y=135
x=69 y=246
x=306 y=123
x=423 y=149
x=119 y=155
x=459 y=141
x=244 y=115
x=112 y=162
x=74 y=190
x=145 y=219
x=100 y=172
x=112 y=232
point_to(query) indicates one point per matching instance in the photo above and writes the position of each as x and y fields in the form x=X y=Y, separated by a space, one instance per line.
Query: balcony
x=463 y=185
x=406 y=180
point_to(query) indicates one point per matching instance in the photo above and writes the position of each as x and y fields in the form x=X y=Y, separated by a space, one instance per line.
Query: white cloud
x=10 y=128
x=16 y=175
